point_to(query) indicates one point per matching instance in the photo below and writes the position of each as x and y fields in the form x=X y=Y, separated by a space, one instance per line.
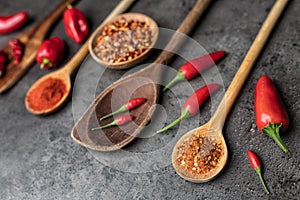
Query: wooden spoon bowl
x=138 y=59
x=115 y=137
x=207 y=132
x=61 y=75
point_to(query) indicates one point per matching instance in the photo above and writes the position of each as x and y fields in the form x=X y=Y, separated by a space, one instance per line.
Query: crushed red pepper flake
x=199 y=154
x=123 y=40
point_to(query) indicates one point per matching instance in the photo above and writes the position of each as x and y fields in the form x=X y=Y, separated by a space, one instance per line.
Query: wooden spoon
x=31 y=39
x=65 y=72
x=144 y=83
x=213 y=128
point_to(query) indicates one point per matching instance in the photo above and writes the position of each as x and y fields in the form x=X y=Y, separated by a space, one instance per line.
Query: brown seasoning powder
x=199 y=154
x=123 y=40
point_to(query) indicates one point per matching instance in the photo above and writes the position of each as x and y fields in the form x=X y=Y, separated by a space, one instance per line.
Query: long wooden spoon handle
x=74 y=63
x=184 y=29
x=241 y=75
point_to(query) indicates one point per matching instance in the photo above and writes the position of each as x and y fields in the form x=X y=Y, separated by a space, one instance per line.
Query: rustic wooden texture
x=32 y=39
x=66 y=71
x=214 y=127
x=114 y=138
x=129 y=63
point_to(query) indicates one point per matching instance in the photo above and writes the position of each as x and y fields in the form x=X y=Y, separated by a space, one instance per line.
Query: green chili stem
x=121 y=109
x=178 y=77
x=184 y=115
x=273 y=130
x=45 y=61
x=258 y=171
x=105 y=126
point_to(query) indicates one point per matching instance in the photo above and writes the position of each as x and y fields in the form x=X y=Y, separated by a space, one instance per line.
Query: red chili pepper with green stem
x=119 y=121
x=75 y=24
x=256 y=165
x=192 y=104
x=17 y=50
x=51 y=53
x=3 y=62
x=131 y=104
x=12 y=22
x=193 y=68
x=271 y=116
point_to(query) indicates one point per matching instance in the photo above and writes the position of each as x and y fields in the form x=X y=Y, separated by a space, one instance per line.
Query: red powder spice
x=47 y=94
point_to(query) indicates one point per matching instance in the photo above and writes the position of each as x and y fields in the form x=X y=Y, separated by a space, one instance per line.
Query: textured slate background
x=39 y=160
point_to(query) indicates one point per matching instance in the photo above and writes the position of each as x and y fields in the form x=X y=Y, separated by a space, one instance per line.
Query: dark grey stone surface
x=39 y=160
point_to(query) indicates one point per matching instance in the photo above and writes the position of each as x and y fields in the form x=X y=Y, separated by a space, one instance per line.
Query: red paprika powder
x=47 y=94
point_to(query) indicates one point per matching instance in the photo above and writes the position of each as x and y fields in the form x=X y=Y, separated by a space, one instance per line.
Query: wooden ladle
x=213 y=128
x=65 y=72
x=144 y=83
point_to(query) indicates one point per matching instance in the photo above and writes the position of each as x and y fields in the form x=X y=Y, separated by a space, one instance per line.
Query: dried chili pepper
x=120 y=120
x=3 y=62
x=12 y=22
x=131 y=104
x=51 y=53
x=271 y=116
x=256 y=165
x=17 y=50
x=192 y=104
x=194 y=67
x=75 y=24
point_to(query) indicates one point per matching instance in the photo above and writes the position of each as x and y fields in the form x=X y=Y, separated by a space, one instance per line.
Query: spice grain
x=199 y=154
x=123 y=40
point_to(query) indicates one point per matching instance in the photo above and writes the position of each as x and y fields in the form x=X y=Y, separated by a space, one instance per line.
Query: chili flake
x=199 y=154
x=123 y=40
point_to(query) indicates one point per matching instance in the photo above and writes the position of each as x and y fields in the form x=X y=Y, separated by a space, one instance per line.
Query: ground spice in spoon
x=199 y=154
x=47 y=94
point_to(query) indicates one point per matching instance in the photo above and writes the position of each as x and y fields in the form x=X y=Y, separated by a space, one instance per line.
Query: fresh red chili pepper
x=256 y=165
x=131 y=104
x=12 y=22
x=270 y=113
x=192 y=104
x=120 y=120
x=75 y=24
x=194 y=67
x=3 y=62
x=17 y=50
x=51 y=53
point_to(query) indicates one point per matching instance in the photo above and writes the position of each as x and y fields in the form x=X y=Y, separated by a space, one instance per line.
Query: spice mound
x=199 y=154
x=123 y=40
x=47 y=94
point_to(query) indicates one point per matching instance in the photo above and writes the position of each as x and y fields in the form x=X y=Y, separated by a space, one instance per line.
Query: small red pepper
x=51 y=53
x=120 y=120
x=256 y=165
x=17 y=50
x=12 y=22
x=75 y=24
x=194 y=67
x=270 y=113
x=192 y=104
x=3 y=62
x=131 y=104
